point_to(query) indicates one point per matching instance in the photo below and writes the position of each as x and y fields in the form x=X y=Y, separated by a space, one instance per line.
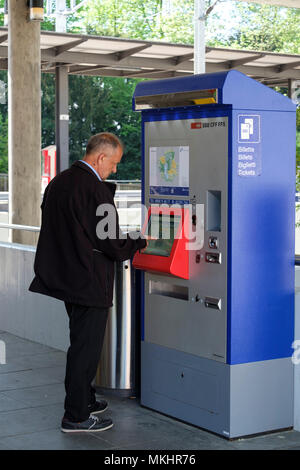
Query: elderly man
x=75 y=265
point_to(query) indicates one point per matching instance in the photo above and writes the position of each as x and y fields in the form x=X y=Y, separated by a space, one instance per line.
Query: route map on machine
x=169 y=171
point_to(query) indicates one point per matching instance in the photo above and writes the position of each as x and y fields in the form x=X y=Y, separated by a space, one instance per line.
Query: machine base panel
x=230 y=400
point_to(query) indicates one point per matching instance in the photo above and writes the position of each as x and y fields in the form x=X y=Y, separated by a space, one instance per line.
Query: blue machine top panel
x=234 y=88
x=261 y=243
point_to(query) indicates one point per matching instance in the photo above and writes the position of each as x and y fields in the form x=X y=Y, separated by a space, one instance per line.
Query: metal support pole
x=294 y=90
x=199 y=37
x=62 y=98
x=290 y=91
x=62 y=118
x=60 y=18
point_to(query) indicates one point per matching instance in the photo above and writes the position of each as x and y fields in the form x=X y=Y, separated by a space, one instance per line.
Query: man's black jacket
x=71 y=263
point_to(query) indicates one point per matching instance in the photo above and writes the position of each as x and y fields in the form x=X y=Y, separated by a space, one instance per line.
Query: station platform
x=31 y=407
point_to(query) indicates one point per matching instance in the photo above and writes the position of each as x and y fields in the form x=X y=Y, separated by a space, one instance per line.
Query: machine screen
x=161 y=230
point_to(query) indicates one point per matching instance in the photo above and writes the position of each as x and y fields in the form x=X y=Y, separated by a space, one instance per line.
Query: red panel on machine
x=167 y=250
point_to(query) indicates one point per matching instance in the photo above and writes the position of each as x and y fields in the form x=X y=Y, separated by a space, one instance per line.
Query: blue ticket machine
x=216 y=345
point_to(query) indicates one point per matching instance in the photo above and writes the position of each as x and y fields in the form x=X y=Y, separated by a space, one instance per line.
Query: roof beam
x=101 y=63
x=262 y=72
x=155 y=74
x=231 y=64
x=283 y=83
x=46 y=66
x=160 y=64
x=120 y=55
x=282 y=67
x=163 y=74
x=58 y=50
x=77 y=69
x=3 y=38
x=3 y=64
x=105 y=59
x=185 y=57
x=142 y=73
x=182 y=58
x=150 y=63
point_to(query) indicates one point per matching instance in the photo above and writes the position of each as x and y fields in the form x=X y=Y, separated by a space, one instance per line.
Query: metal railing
x=28 y=228
x=121 y=184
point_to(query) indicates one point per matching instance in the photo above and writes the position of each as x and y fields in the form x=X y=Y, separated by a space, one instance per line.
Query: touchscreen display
x=161 y=229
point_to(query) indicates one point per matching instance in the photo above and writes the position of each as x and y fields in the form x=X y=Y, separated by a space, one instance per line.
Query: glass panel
x=162 y=229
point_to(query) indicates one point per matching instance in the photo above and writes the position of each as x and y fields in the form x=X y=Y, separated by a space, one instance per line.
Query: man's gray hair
x=103 y=139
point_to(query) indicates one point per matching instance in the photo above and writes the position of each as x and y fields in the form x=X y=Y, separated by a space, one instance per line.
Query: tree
x=266 y=28
x=123 y=18
x=105 y=105
x=124 y=122
x=48 y=109
x=139 y=19
x=88 y=115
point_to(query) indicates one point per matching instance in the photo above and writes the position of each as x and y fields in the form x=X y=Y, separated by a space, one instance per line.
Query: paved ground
x=31 y=406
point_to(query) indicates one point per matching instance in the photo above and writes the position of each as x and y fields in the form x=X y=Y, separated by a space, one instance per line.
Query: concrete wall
x=32 y=316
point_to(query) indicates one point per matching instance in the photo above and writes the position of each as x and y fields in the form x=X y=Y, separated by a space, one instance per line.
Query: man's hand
x=146 y=239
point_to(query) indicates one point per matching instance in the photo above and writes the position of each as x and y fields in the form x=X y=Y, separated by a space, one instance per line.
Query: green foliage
x=105 y=105
x=125 y=123
x=123 y=18
x=87 y=112
x=140 y=19
x=265 y=28
x=48 y=109
x=1 y=14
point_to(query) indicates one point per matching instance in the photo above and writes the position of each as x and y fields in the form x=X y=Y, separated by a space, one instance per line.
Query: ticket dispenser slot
x=168 y=290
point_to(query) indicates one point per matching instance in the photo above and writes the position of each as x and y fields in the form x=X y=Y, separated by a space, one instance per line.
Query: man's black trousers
x=87 y=328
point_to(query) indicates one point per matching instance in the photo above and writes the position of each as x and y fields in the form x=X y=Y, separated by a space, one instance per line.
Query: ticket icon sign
x=249 y=128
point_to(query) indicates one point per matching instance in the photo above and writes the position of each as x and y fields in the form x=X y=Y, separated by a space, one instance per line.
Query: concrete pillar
x=24 y=114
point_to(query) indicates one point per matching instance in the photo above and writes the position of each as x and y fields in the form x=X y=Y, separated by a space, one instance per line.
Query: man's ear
x=100 y=157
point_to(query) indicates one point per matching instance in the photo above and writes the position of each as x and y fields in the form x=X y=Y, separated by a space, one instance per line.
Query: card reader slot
x=169 y=290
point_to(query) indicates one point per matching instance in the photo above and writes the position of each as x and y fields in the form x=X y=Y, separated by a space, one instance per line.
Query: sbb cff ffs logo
x=202 y=125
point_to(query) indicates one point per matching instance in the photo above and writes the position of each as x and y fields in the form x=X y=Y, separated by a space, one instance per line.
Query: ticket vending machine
x=217 y=330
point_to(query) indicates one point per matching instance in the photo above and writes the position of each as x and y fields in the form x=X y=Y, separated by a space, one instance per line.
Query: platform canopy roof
x=116 y=57
x=280 y=3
